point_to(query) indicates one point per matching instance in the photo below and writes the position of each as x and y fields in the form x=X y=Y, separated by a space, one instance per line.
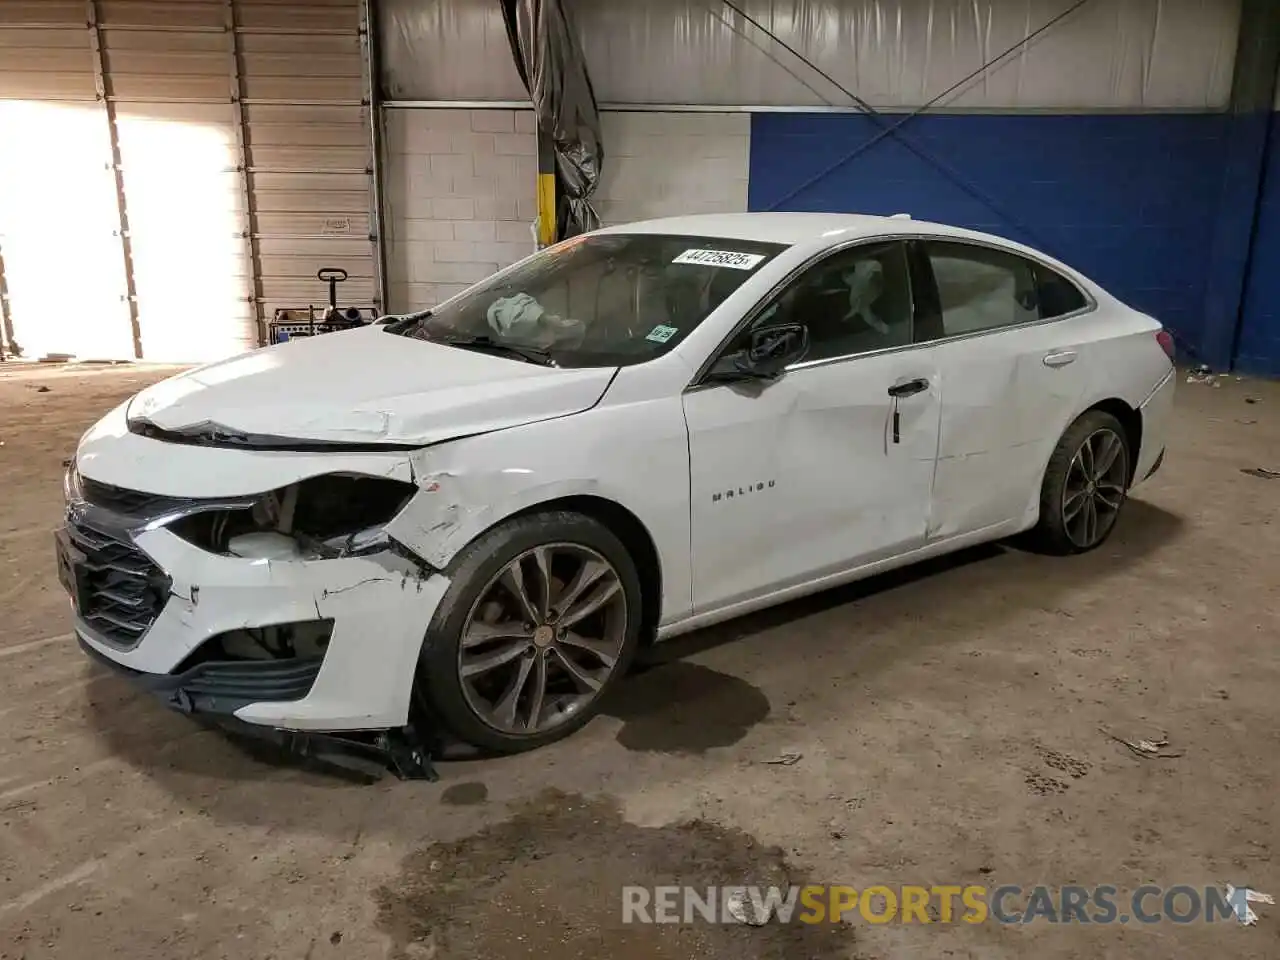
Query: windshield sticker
x=661 y=333
x=721 y=258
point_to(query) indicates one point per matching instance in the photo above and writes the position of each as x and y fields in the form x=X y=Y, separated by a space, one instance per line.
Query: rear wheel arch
x=1056 y=529
x=1130 y=419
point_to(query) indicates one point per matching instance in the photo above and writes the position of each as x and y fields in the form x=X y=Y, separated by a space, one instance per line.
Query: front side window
x=854 y=301
x=596 y=300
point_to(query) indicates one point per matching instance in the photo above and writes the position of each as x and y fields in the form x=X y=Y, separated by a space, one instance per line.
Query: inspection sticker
x=721 y=258
x=661 y=333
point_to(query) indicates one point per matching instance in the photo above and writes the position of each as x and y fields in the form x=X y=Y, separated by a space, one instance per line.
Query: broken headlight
x=326 y=517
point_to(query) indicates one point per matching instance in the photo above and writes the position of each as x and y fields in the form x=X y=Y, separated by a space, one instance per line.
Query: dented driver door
x=804 y=477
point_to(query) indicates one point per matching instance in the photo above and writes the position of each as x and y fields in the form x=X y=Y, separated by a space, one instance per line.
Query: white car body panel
x=485 y=437
x=413 y=393
x=110 y=454
x=471 y=484
x=379 y=608
x=800 y=479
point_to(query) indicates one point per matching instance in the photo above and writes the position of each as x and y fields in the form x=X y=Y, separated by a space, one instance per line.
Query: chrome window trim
x=699 y=382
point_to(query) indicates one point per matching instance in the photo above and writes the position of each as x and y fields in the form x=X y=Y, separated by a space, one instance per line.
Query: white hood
x=368 y=386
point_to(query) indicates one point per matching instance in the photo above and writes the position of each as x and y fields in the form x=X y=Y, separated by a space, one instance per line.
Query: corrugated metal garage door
x=243 y=143
x=64 y=268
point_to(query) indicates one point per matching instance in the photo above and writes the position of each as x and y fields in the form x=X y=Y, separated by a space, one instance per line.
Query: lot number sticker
x=720 y=258
x=661 y=333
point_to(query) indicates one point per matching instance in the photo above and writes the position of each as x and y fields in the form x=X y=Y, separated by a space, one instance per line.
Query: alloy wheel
x=1095 y=488
x=543 y=638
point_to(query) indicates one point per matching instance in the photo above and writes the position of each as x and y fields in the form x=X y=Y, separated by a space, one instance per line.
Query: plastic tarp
x=1131 y=55
x=553 y=69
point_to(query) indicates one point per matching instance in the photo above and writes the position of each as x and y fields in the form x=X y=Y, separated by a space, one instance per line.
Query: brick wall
x=1130 y=200
x=667 y=164
x=460 y=199
x=461 y=186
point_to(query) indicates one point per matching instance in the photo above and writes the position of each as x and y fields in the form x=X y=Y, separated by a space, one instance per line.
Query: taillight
x=1165 y=339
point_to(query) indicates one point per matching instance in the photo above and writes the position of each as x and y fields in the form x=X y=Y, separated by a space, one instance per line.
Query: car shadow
x=676 y=706
x=1145 y=528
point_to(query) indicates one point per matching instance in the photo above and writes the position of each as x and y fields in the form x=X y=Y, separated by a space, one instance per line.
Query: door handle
x=1059 y=358
x=908 y=388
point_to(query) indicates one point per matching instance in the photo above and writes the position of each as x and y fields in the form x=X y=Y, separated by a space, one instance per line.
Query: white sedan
x=472 y=517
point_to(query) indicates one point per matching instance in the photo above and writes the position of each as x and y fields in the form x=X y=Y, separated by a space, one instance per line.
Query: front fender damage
x=452 y=508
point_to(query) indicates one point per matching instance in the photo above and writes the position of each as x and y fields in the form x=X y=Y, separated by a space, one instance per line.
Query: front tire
x=1085 y=485
x=540 y=621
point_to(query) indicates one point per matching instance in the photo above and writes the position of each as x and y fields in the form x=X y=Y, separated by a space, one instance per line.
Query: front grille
x=123 y=590
x=132 y=503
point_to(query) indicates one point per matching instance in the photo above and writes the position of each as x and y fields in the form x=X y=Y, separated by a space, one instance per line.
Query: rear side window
x=1058 y=295
x=980 y=288
x=984 y=289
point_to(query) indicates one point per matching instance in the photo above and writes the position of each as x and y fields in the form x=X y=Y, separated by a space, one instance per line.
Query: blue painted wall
x=1130 y=200
x=1258 y=348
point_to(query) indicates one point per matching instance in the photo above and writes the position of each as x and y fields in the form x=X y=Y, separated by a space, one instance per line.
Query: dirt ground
x=944 y=726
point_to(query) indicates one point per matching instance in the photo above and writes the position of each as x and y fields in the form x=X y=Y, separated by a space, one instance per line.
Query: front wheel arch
x=625 y=525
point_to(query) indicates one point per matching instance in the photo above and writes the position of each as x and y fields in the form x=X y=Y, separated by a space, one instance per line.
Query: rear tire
x=1085 y=486
x=510 y=660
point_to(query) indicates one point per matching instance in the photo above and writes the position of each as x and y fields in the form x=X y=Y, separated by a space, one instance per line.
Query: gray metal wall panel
x=307 y=147
x=44 y=60
x=215 y=246
x=64 y=283
x=1114 y=54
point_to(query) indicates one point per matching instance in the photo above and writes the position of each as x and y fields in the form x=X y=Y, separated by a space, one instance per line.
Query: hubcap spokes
x=1095 y=488
x=543 y=638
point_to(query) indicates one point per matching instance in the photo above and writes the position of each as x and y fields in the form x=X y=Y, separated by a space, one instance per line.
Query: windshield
x=597 y=300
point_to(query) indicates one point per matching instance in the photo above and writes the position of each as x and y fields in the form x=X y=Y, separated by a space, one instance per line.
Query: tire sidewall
x=1052 y=522
x=470 y=573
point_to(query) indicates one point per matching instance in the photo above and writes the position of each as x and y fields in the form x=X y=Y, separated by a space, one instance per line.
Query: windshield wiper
x=487 y=344
x=404 y=324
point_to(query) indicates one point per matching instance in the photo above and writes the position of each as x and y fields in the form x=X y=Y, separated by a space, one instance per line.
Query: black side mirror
x=772 y=349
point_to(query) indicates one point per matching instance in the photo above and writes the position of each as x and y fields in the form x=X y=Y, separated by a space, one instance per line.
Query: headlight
x=333 y=515
x=72 y=488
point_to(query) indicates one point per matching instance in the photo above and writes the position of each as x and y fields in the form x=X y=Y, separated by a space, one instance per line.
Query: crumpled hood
x=368 y=386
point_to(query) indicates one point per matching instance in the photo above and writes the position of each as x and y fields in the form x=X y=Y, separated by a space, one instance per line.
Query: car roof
x=808 y=234
x=819 y=229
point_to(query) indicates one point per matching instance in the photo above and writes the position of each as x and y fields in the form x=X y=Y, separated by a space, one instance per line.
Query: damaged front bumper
x=379 y=607
x=210 y=693
x=177 y=619
x=347 y=703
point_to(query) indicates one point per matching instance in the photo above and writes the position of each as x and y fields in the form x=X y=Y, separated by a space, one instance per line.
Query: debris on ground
x=1246 y=421
x=42 y=389
x=1203 y=374
x=1252 y=399
x=746 y=910
x=1261 y=472
x=1246 y=916
x=1157 y=749
x=786 y=760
